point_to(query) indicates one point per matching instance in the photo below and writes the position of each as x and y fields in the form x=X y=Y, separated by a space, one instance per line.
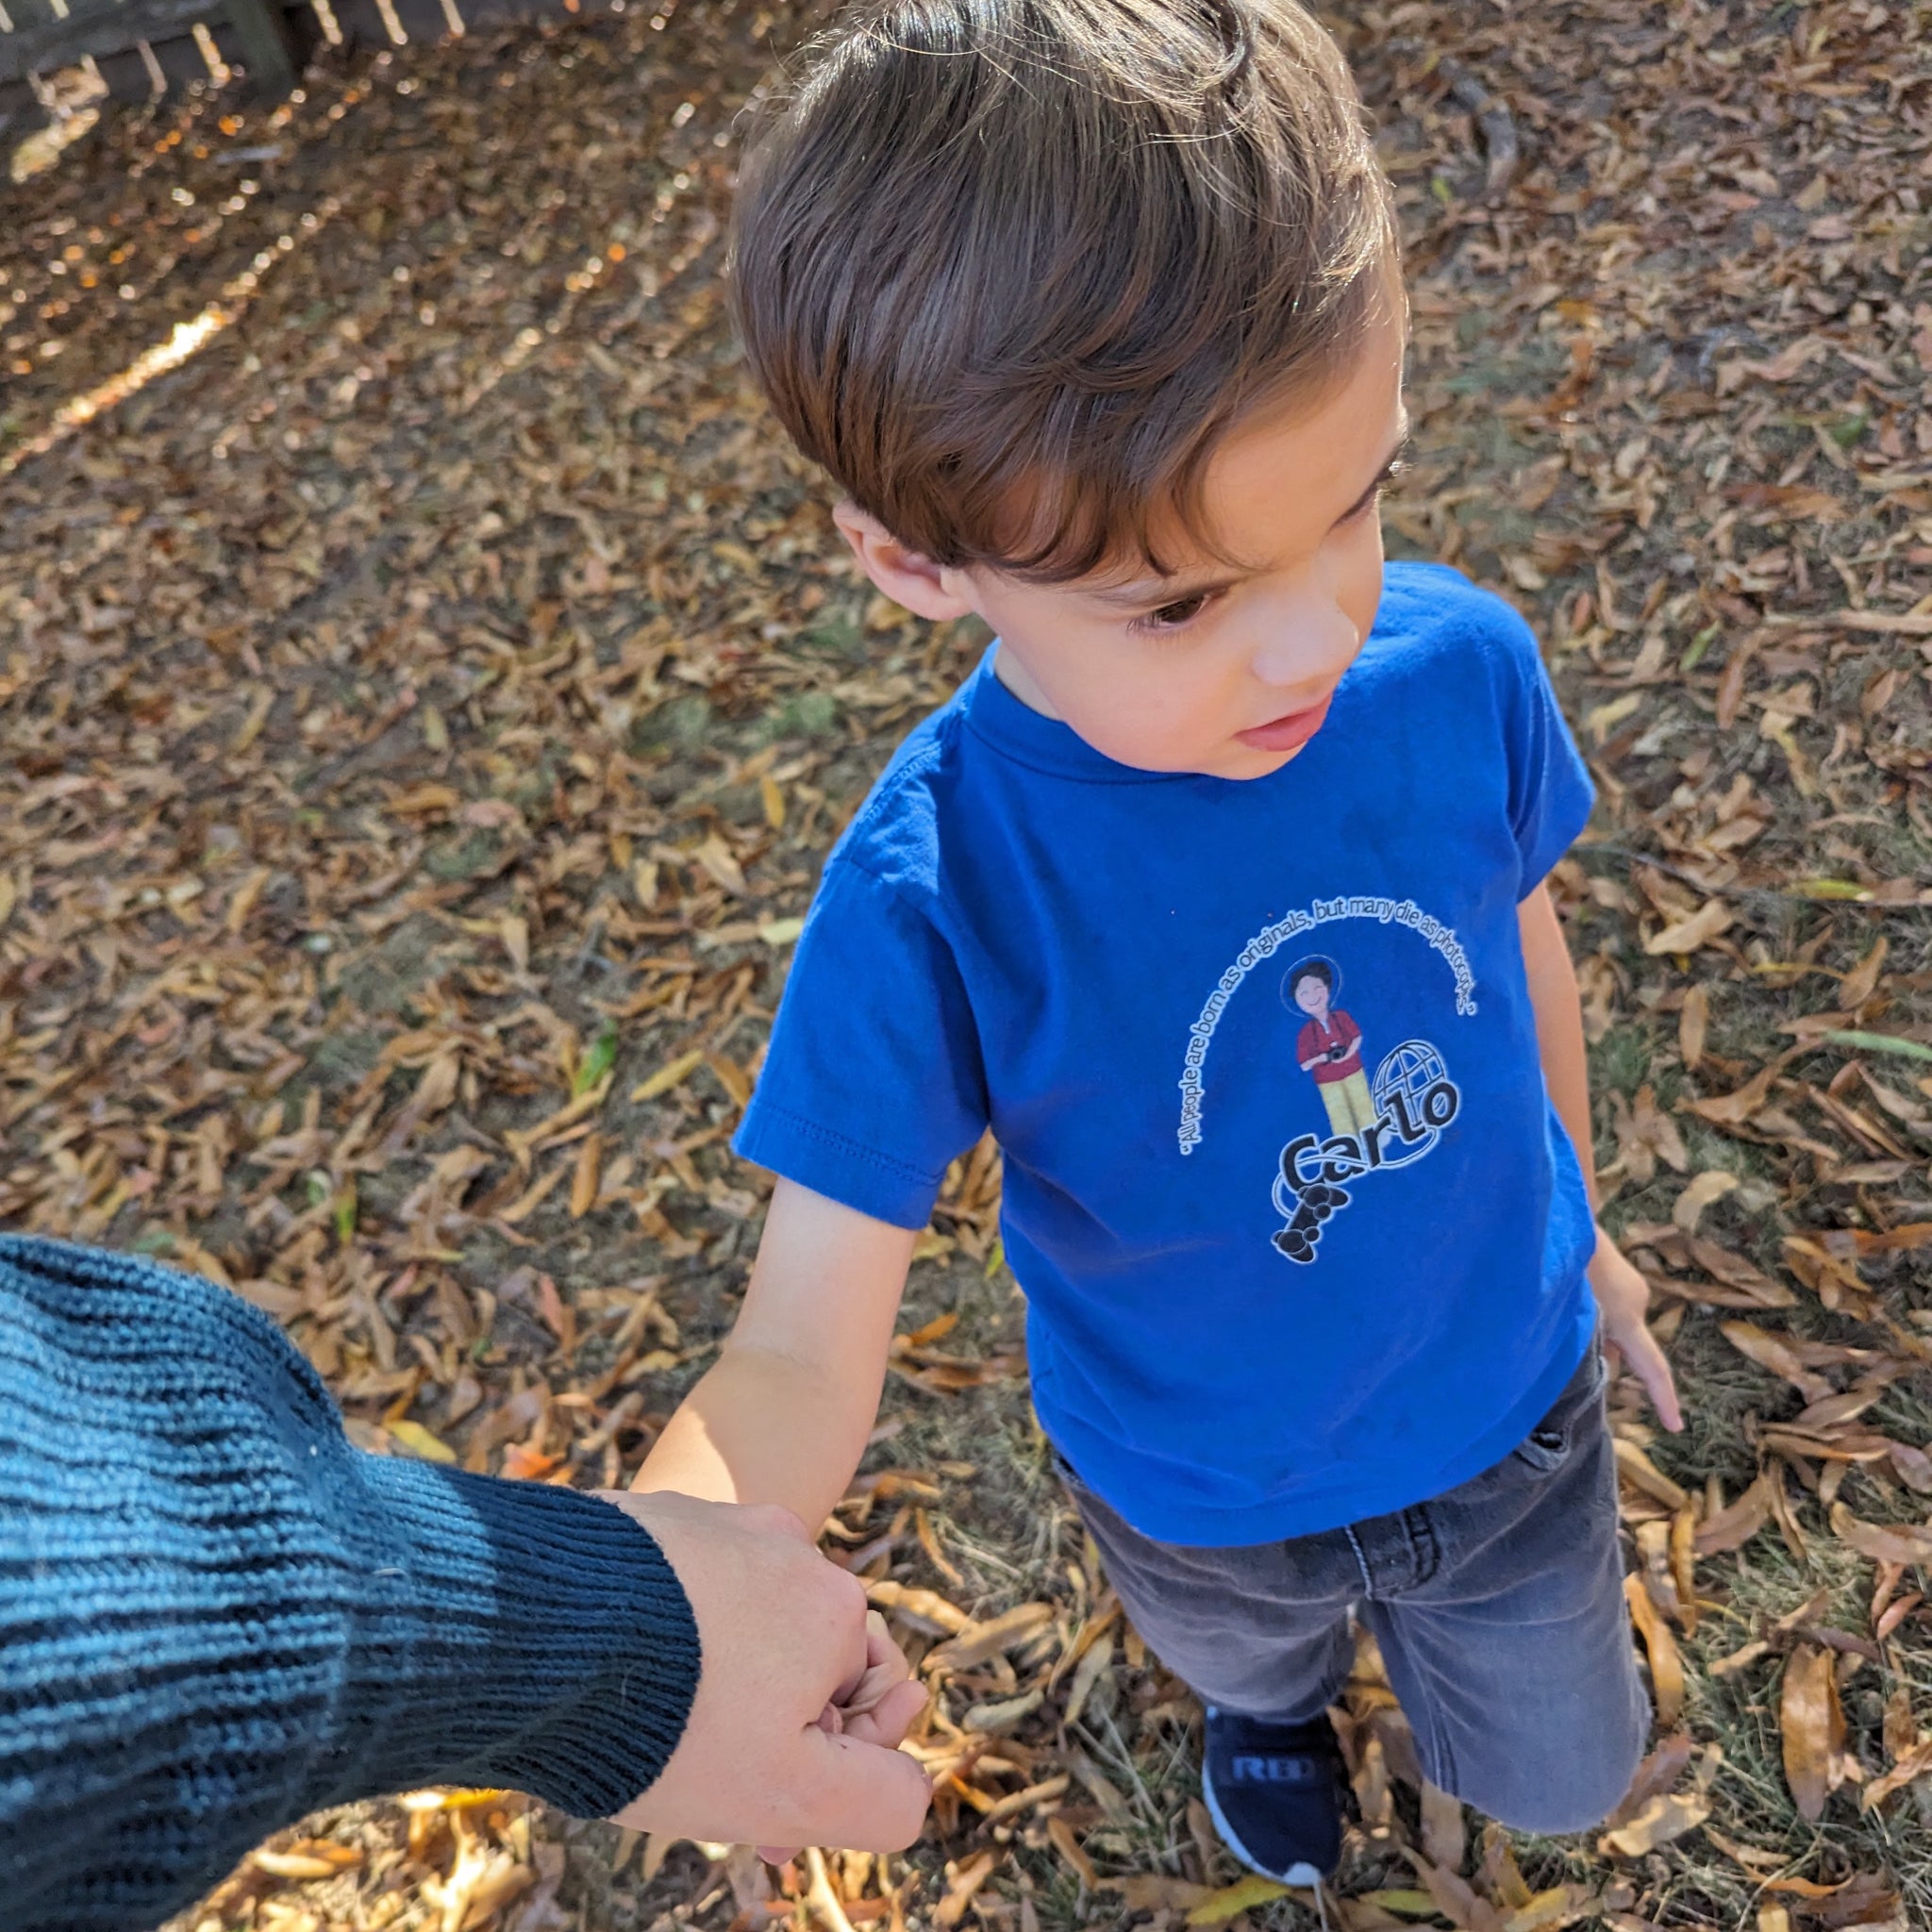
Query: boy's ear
x=927 y=589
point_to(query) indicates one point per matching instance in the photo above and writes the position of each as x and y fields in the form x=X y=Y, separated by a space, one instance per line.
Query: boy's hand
x=802 y=1693
x=880 y=1703
x=1623 y=1295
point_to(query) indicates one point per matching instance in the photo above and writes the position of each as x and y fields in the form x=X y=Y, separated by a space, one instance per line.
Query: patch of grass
x=679 y=725
x=837 y=635
x=339 y=1060
x=383 y=980
x=1623 y=1058
x=471 y=854
x=804 y=714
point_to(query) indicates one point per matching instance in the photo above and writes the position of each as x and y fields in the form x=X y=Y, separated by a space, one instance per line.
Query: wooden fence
x=43 y=36
x=140 y=49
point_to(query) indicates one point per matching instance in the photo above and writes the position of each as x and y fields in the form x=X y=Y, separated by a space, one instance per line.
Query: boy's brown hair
x=1010 y=269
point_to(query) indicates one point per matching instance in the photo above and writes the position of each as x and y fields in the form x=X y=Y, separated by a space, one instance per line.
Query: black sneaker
x=1274 y=1793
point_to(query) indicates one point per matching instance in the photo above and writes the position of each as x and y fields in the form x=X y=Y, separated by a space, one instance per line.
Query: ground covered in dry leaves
x=428 y=687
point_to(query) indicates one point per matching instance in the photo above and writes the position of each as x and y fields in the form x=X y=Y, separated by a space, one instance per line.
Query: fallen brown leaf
x=1911 y=1766
x=1149 y=1892
x=1660 y=1822
x=963 y=1881
x=1882 y=1543
x=1457 y=1899
x=1690 y=934
x=1654 y=1776
x=1666 y=1662
x=1756 y=1287
x=976 y=1643
x=921 y=1607
x=311 y=1859
x=1704 y=1190
x=1813 y=1728
x=1633 y=1464
x=1446 y=1835
x=1694 y=1026
x=1736 y=1107
x=1775 y=1353
x=1734 y=1524
x=1060 y=1834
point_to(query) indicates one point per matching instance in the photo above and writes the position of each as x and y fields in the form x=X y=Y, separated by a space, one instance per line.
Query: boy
x=1090 y=308
x=1330 y=1048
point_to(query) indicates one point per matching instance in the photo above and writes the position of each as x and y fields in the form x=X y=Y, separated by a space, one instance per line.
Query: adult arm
x=216 y=1616
x=1621 y=1292
x=783 y=1415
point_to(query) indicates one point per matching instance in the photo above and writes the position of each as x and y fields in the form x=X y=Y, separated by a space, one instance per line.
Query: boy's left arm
x=1621 y=1292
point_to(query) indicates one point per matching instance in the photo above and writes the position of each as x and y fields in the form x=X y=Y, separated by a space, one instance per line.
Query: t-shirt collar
x=995 y=714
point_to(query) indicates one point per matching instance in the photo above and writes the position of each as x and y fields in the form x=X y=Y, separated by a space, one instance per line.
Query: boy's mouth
x=1287 y=733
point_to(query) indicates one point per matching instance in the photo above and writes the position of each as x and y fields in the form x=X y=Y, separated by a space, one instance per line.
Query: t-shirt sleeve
x=873 y=1081
x=1550 y=789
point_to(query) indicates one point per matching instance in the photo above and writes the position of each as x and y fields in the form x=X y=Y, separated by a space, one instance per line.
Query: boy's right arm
x=783 y=1414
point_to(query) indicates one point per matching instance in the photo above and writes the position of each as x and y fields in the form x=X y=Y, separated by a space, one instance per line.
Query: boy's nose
x=1310 y=645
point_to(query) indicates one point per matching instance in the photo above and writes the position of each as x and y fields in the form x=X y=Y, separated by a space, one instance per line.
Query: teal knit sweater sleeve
x=216 y=1615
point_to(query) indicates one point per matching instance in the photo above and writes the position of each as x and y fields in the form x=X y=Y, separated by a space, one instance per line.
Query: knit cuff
x=513 y=1633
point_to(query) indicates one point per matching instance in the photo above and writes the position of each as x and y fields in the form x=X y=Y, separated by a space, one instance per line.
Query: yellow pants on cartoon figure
x=1351 y=1106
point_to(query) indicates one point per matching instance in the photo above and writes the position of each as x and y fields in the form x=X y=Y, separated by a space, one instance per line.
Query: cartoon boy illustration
x=1330 y=1045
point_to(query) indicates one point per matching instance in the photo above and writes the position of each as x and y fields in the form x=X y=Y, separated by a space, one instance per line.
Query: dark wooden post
x=268 y=50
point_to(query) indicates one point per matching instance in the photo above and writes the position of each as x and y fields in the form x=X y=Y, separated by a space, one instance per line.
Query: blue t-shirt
x=1302 y=1237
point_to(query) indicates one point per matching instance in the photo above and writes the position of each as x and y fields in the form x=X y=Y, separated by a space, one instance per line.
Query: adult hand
x=801 y=1697
x=1623 y=1295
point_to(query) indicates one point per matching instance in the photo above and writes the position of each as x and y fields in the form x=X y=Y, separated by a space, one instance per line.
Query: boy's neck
x=1019 y=680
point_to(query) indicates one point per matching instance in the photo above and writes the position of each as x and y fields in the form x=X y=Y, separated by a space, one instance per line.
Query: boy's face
x=1221 y=669
x=1311 y=995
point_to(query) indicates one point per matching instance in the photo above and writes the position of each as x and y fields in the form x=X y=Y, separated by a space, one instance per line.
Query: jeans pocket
x=1548 y=1446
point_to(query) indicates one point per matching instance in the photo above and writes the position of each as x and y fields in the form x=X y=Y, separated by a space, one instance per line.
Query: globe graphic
x=1411 y=1069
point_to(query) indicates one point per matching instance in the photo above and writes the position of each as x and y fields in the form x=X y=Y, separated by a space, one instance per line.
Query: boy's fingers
x=1641 y=1356
x=889 y=1719
x=882 y=1663
x=1663 y=1397
x=885 y=1666
x=879 y=1647
x=866 y=1797
x=1653 y=1370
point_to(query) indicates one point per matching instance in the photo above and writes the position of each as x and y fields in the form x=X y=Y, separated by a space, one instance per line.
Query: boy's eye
x=1396 y=465
x=1174 y=616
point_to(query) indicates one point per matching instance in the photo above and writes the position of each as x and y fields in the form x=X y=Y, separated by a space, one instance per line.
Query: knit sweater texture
x=217 y=1616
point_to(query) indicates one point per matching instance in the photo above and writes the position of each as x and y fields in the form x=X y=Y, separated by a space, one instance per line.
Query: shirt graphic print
x=1386 y=1120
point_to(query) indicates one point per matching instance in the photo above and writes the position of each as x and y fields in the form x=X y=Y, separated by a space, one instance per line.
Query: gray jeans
x=1499 y=1608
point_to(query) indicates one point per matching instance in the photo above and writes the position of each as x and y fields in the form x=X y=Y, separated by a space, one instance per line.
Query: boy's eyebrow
x=1177 y=588
x=1172 y=590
